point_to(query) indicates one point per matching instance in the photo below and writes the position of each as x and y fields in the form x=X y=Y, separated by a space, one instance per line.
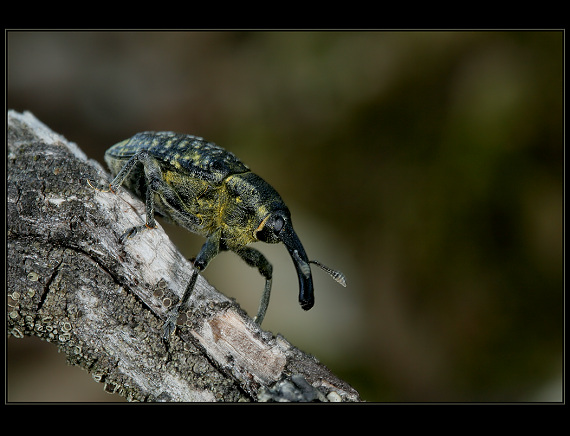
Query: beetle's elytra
x=207 y=190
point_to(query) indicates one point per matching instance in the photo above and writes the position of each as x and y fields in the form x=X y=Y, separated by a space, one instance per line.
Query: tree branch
x=103 y=303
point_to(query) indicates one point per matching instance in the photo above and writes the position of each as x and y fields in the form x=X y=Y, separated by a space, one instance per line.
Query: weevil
x=207 y=190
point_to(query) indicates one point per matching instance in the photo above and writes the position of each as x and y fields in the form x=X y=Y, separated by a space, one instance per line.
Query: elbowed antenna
x=336 y=275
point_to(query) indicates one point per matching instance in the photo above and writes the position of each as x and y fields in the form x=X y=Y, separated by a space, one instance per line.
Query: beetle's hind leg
x=152 y=172
x=254 y=258
x=155 y=184
x=150 y=222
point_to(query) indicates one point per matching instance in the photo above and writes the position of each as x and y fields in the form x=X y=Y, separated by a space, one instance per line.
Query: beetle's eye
x=270 y=227
x=278 y=224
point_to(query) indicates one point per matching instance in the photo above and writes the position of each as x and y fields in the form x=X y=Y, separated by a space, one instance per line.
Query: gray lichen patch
x=103 y=303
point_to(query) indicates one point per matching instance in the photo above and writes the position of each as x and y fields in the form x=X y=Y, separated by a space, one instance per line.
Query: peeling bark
x=103 y=303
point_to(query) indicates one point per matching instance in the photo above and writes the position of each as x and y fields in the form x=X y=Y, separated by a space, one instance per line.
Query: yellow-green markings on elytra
x=209 y=191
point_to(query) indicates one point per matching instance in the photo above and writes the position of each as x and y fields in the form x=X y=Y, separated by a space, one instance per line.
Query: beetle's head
x=263 y=211
x=277 y=227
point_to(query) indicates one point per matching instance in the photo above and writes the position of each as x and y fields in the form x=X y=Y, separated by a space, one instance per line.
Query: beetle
x=207 y=190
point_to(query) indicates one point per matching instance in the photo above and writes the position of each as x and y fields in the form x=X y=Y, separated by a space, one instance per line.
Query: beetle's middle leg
x=209 y=250
x=254 y=258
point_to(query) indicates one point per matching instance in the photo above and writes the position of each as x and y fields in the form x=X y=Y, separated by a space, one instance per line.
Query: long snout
x=301 y=262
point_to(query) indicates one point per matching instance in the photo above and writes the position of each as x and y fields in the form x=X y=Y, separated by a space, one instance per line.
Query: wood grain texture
x=103 y=304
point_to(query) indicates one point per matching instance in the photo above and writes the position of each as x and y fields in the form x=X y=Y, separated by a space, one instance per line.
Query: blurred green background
x=427 y=166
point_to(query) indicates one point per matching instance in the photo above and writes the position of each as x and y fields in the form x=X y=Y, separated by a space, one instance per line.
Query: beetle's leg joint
x=99 y=189
x=170 y=323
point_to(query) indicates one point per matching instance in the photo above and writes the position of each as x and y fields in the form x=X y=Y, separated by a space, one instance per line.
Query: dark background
x=427 y=166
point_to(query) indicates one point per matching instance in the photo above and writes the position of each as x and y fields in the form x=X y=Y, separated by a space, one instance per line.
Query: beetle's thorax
x=250 y=199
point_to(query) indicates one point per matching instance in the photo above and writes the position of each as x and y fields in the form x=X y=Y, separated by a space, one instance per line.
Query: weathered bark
x=103 y=303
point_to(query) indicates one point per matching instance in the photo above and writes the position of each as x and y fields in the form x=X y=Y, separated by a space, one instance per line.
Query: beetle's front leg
x=254 y=258
x=209 y=250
